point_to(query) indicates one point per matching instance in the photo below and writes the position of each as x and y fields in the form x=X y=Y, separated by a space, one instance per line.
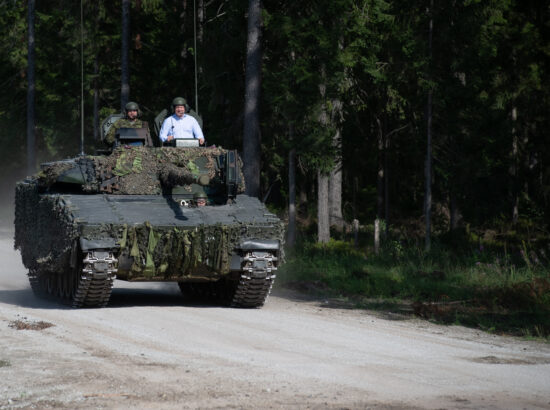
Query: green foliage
x=490 y=59
x=481 y=288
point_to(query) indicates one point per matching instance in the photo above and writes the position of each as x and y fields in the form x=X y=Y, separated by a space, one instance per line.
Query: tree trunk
x=96 y=98
x=198 y=27
x=335 y=197
x=291 y=230
x=428 y=175
x=251 y=134
x=377 y=236
x=323 y=215
x=303 y=197
x=428 y=196
x=96 y=48
x=386 y=186
x=125 y=70
x=183 y=36
x=200 y=18
x=514 y=168
x=31 y=148
x=379 y=187
x=355 y=225
x=454 y=211
x=335 y=178
x=380 y=173
x=323 y=227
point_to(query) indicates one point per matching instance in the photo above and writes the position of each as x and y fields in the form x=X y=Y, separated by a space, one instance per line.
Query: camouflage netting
x=139 y=170
x=161 y=253
x=46 y=233
x=48 y=176
x=171 y=175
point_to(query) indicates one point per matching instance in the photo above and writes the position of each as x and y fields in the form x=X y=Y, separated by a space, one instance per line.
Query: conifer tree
x=31 y=86
x=251 y=133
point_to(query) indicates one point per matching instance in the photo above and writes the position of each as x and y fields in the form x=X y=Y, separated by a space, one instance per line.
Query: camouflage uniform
x=123 y=123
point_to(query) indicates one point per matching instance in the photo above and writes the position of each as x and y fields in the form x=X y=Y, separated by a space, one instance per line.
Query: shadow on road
x=380 y=309
x=26 y=298
x=120 y=298
x=127 y=294
x=125 y=297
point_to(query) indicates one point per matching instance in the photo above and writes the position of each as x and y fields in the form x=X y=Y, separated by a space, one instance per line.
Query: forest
x=405 y=143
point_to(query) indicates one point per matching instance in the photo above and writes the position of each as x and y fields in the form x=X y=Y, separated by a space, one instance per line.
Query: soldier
x=130 y=120
x=201 y=199
x=180 y=124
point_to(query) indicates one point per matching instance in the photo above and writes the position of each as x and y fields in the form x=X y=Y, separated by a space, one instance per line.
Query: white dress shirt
x=180 y=127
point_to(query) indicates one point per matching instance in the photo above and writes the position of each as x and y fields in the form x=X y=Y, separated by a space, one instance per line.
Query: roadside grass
x=490 y=289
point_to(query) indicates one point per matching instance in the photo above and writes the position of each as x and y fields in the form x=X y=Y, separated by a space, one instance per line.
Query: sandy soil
x=149 y=349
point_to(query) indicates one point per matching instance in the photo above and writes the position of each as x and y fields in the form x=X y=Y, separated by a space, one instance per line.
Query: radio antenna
x=81 y=79
x=195 y=53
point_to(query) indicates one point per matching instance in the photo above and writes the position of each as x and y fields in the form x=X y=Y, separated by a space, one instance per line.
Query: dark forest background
x=345 y=84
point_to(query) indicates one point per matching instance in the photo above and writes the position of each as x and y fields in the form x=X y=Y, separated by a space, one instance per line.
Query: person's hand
x=201 y=141
x=169 y=138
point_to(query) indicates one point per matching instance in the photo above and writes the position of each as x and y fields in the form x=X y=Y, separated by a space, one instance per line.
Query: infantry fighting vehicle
x=131 y=214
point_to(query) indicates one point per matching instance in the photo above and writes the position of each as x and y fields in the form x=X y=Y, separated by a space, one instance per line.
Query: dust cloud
x=7 y=198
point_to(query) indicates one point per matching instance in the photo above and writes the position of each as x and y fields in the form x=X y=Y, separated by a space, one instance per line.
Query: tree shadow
x=381 y=309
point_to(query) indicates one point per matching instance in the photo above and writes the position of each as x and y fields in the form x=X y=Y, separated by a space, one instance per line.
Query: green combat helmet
x=132 y=106
x=180 y=101
x=200 y=195
x=165 y=112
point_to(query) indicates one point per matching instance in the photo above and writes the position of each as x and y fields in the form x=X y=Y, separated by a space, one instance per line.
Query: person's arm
x=197 y=132
x=163 y=135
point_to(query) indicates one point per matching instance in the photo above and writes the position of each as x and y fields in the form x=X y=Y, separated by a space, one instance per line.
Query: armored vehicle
x=145 y=213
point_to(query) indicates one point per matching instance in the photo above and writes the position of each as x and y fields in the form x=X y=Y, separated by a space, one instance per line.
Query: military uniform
x=124 y=123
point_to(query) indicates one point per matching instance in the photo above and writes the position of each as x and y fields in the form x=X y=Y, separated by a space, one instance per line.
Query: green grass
x=492 y=289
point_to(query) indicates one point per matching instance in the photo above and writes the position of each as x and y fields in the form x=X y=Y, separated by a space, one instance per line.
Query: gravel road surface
x=150 y=349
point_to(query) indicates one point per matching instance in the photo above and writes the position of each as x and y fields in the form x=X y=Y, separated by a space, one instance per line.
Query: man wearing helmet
x=200 y=199
x=180 y=124
x=130 y=120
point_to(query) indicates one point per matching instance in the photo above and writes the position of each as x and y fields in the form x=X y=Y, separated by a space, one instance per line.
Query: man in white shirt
x=180 y=124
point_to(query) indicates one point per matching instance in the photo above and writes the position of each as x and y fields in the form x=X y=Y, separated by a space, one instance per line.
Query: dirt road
x=149 y=349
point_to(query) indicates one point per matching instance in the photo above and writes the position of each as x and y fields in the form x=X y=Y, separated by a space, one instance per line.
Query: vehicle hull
x=143 y=237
